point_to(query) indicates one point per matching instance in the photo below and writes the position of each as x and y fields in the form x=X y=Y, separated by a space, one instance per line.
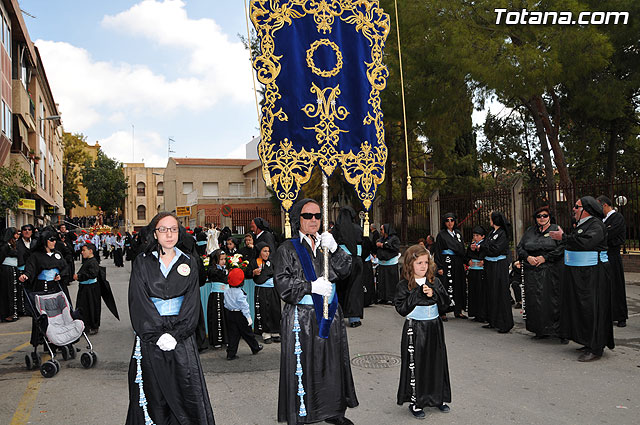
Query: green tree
x=73 y=159
x=105 y=182
x=13 y=182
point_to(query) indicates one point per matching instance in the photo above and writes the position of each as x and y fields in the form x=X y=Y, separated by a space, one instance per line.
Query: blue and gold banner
x=321 y=65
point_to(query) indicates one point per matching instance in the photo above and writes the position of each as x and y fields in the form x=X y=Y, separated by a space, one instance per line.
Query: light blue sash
x=48 y=274
x=21 y=268
x=475 y=265
x=584 y=258
x=308 y=299
x=218 y=287
x=267 y=284
x=448 y=252
x=170 y=307
x=424 y=312
x=495 y=259
x=345 y=249
x=88 y=281
x=200 y=243
x=10 y=261
x=391 y=262
x=368 y=258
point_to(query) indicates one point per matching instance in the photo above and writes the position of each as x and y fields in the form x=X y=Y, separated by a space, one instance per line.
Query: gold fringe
x=409 y=189
x=365 y=231
x=287 y=226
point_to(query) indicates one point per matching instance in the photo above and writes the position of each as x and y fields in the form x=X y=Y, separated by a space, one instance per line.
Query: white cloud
x=147 y=147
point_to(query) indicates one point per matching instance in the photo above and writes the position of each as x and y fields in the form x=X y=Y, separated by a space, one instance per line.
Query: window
x=41 y=118
x=187 y=187
x=160 y=189
x=140 y=186
x=142 y=213
x=210 y=189
x=236 y=189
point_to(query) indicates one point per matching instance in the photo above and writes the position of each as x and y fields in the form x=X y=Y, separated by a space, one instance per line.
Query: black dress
x=429 y=351
x=88 y=300
x=368 y=282
x=477 y=294
x=542 y=284
x=449 y=256
x=327 y=379
x=216 y=322
x=173 y=383
x=496 y=267
x=388 y=274
x=616 y=234
x=267 y=301
x=586 y=297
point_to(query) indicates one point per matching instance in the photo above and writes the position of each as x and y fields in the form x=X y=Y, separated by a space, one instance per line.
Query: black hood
x=345 y=230
x=294 y=215
x=8 y=234
x=446 y=216
x=479 y=230
x=262 y=224
x=590 y=205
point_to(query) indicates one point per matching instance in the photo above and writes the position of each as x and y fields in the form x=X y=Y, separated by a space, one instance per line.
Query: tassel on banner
x=365 y=231
x=409 y=189
x=287 y=226
x=266 y=176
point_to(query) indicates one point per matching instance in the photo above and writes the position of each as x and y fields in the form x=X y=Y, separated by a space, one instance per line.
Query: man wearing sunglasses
x=586 y=300
x=316 y=383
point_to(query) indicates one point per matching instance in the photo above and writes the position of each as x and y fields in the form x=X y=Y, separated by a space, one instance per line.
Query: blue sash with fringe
x=318 y=302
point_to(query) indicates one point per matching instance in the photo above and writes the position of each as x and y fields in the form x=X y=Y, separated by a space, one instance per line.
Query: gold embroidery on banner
x=312 y=65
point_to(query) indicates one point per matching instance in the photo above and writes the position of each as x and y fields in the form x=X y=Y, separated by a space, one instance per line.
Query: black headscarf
x=294 y=215
x=345 y=232
x=8 y=234
x=43 y=236
x=449 y=215
x=590 y=205
x=388 y=230
x=262 y=224
x=259 y=247
x=500 y=220
x=479 y=230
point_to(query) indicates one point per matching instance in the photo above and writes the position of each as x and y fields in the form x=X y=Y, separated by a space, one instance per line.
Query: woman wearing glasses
x=166 y=384
x=542 y=257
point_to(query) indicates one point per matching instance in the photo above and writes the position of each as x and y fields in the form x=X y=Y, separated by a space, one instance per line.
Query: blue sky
x=169 y=68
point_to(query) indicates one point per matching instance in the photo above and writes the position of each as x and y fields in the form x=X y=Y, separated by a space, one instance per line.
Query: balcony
x=23 y=105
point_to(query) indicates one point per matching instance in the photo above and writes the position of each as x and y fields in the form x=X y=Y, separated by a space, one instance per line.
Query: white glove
x=249 y=321
x=166 y=342
x=327 y=241
x=321 y=286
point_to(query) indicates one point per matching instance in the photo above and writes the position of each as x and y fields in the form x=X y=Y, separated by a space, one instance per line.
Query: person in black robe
x=324 y=388
x=348 y=235
x=475 y=277
x=616 y=235
x=262 y=233
x=424 y=373
x=118 y=257
x=225 y=234
x=449 y=256
x=23 y=245
x=388 y=253
x=88 y=300
x=495 y=248
x=248 y=250
x=217 y=275
x=231 y=247
x=542 y=258
x=586 y=296
x=368 y=275
x=201 y=241
x=267 y=302
x=9 y=286
x=66 y=248
x=166 y=383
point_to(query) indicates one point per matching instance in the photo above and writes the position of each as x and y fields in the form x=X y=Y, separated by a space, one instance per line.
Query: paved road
x=496 y=379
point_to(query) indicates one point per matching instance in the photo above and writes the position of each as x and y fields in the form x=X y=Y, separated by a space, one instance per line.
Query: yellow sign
x=27 y=204
x=183 y=211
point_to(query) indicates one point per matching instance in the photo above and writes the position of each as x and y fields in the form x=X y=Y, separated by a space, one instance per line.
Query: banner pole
x=325 y=225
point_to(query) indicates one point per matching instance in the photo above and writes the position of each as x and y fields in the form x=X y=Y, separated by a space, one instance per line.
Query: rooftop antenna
x=169 y=151
x=28 y=14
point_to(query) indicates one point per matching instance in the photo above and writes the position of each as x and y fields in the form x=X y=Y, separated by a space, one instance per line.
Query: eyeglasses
x=309 y=216
x=577 y=207
x=542 y=215
x=450 y=219
x=163 y=229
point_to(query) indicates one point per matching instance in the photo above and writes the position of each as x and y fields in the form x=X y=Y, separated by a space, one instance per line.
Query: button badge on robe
x=184 y=269
x=580 y=230
x=495 y=236
x=58 y=256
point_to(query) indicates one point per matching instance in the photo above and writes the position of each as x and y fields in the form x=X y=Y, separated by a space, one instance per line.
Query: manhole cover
x=376 y=360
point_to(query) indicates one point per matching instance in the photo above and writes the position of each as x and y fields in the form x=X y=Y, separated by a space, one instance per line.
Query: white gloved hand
x=327 y=241
x=249 y=321
x=321 y=286
x=166 y=342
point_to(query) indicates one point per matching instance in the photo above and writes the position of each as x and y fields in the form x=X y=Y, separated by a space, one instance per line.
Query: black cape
x=326 y=378
x=452 y=267
x=542 y=284
x=432 y=385
x=499 y=313
x=173 y=381
x=616 y=234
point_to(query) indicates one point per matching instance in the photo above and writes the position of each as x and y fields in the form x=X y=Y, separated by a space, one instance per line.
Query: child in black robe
x=267 y=301
x=217 y=275
x=424 y=374
x=88 y=299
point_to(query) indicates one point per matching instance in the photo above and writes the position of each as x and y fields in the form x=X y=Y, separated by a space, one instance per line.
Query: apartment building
x=145 y=195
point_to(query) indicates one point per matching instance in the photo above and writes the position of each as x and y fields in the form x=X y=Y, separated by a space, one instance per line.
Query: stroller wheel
x=94 y=356
x=66 y=355
x=48 y=369
x=72 y=351
x=86 y=360
x=27 y=361
x=56 y=364
x=35 y=360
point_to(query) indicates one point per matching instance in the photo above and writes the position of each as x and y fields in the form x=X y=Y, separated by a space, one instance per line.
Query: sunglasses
x=52 y=239
x=577 y=207
x=542 y=215
x=309 y=216
x=450 y=219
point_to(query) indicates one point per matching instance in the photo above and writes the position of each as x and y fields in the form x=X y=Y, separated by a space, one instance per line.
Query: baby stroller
x=58 y=329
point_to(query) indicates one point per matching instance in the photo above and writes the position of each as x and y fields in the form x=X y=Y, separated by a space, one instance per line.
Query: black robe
x=88 y=300
x=477 y=294
x=267 y=302
x=368 y=282
x=10 y=291
x=586 y=296
x=499 y=313
x=268 y=238
x=350 y=289
x=542 y=284
x=326 y=378
x=452 y=267
x=616 y=234
x=174 y=385
x=216 y=321
x=432 y=383
x=388 y=276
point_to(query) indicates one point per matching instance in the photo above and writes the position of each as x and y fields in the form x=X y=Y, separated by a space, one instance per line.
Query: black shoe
x=461 y=316
x=388 y=303
x=260 y=347
x=355 y=324
x=622 y=323
x=503 y=331
x=585 y=349
x=444 y=318
x=341 y=420
x=564 y=341
x=267 y=341
x=444 y=408
x=275 y=338
x=540 y=336
x=417 y=412
x=588 y=356
x=232 y=357
x=487 y=326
